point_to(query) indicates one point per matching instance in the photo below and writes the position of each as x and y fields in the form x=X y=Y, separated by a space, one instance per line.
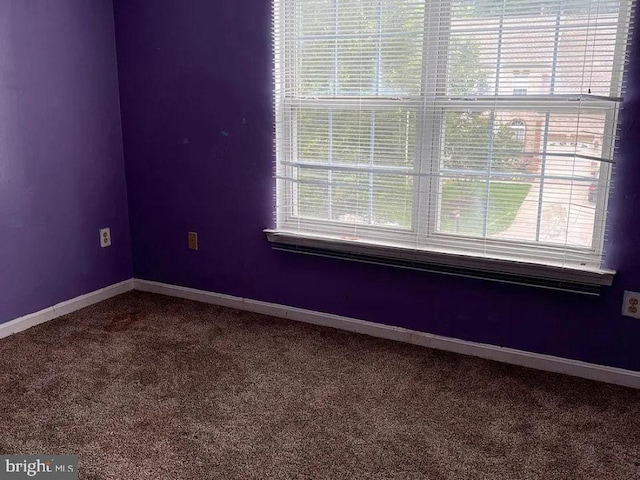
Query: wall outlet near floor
x=105 y=237
x=631 y=304
x=193 y=241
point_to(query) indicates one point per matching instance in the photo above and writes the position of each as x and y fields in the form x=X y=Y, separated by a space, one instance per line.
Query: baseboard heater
x=474 y=273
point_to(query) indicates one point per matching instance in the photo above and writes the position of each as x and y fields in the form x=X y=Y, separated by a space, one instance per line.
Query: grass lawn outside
x=462 y=203
x=466 y=198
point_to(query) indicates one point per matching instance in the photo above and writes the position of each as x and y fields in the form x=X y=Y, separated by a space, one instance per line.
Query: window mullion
x=543 y=166
x=547 y=119
x=436 y=36
x=492 y=122
x=372 y=135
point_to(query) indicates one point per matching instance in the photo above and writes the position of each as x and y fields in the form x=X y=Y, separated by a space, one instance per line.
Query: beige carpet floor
x=148 y=387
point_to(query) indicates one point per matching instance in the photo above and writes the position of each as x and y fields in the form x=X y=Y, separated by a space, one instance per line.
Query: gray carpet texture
x=143 y=386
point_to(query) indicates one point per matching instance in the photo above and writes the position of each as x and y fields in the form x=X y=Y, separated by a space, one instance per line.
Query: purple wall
x=191 y=70
x=61 y=161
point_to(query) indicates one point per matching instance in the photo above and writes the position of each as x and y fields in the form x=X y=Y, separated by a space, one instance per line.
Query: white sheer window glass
x=404 y=123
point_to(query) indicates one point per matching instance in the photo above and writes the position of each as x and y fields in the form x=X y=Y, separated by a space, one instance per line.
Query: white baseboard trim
x=618 y=376
x=63 y=308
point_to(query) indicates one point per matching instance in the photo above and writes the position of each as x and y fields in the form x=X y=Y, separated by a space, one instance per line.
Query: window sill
x=544 y=275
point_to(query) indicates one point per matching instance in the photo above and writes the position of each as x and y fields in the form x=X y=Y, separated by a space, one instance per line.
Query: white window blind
x=484 y=128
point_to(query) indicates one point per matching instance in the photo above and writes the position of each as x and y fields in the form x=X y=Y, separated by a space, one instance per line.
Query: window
x=519 y=131
x=403 y=126
x=520 y=82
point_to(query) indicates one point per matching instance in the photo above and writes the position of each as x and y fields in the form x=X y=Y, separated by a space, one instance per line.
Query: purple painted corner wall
x=190 y=71
x=61 y=160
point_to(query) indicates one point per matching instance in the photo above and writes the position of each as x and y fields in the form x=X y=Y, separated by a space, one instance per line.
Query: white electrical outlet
x=631 y=304
x=105 y=237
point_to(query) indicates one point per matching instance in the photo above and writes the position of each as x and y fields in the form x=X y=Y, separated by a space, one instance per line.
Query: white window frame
x=575 y=262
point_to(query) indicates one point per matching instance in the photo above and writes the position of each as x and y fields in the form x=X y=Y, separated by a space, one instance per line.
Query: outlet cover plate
x=631 y=304
x=193 y=241
x=105 y=237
